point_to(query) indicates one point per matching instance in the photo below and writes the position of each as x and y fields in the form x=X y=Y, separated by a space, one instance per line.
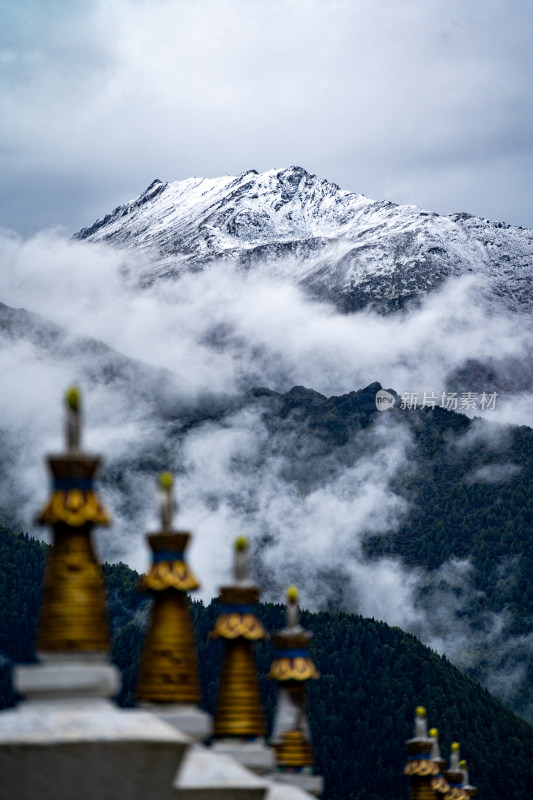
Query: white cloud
x=308 y=511
x=228 y=331
x=493 y=473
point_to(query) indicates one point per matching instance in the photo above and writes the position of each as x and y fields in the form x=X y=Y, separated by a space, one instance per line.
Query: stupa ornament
x=454 y=756
x=73 y=614
x=167 y=503
x=292 y=661
x=238 y=710
x=420 y=767
x=169 y=664
x=421 y=724
x=467 y=786
x=293 y=667
x=454 y=776
x=439 y=783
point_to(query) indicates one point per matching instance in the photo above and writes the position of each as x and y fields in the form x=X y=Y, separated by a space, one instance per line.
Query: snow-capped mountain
x=338 y=244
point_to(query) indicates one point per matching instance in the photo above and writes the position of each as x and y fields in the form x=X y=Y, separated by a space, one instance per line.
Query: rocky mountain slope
x=339 y=245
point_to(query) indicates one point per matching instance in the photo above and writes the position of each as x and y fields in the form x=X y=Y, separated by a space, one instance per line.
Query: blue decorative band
x=66 y=484
x=419 y=757
x=456 y=785
x=167 y=555
x=300 y=652
x=238 y=609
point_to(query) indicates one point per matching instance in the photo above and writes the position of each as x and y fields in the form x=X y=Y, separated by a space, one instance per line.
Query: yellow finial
x=166 y=480
x=434 y=733
x=455 y=747
x=241 y=544
x=292 y=594
x=73 y=398
x=462 y=763
x=420 y=711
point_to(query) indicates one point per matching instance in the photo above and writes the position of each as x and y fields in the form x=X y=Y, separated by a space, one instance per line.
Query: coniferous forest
x=361 y=709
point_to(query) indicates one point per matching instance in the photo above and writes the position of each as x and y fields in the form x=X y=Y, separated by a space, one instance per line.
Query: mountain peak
x=338 y=245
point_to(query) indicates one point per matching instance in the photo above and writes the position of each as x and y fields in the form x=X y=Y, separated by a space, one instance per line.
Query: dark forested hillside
x=360 y=710
x=468 y=481
x=467 y=486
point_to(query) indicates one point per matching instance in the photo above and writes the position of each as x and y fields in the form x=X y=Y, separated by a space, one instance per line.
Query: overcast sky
x=416 y=101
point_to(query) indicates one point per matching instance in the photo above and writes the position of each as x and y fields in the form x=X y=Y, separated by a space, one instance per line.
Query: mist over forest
x=252 y=392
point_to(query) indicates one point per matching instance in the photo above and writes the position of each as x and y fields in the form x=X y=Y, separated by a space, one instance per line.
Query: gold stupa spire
x=454 y=776
x=169 y=663
x=420 y=767
x=239 y=712
x=292 y=667
x=73 y=613
x=440 y=784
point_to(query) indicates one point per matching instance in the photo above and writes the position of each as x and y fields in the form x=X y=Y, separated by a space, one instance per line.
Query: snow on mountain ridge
x=339 y=244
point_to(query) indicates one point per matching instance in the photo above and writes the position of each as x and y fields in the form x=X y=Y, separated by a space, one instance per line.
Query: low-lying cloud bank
x=219 y=333
x=228 y=330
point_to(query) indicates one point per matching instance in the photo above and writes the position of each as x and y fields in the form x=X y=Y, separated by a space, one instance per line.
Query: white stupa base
x=254 y=755
x=312 y=784
x=66 y=679
x=208 y=775
x=67 y=740
x=188 y=719
x=278 y=790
